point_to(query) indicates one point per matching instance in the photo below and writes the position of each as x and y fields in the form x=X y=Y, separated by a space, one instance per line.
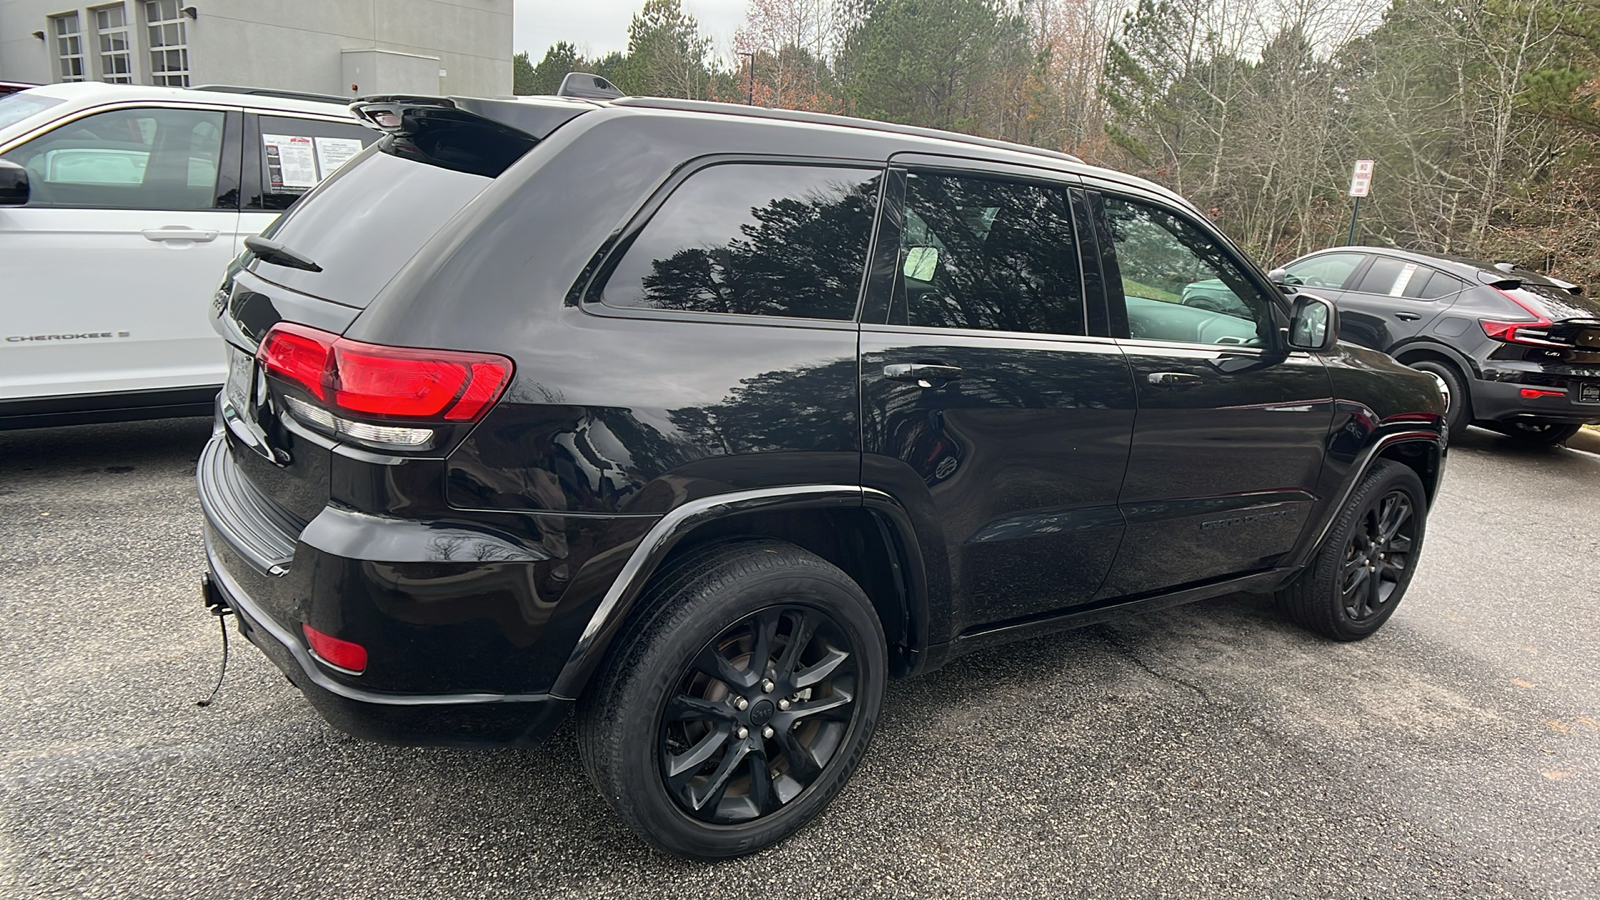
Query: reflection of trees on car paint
x=800 y=253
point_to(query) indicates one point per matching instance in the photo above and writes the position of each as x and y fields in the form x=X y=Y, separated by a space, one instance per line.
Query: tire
x=659 y=731
x=1538 y=434
x=1459 y=415
x=1360 y=573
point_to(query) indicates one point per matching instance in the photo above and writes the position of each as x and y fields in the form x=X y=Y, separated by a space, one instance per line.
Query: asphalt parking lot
x=1210 y=750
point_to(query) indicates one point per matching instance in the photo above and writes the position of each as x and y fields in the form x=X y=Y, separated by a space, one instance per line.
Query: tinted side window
x=986 y=254
x=296 y=154
x=767 y=240
x=1389 y=276
x=127 y=159
x=1433 y=286
x=1178 y=284
x=1329 y=271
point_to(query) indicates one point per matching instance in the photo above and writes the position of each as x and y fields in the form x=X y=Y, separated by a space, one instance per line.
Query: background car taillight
x=1521 y=332
x=403 y=387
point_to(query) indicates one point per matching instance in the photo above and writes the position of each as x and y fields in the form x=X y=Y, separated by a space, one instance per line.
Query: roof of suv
x=92 y=93
x=927 y=140
x=1485 y=272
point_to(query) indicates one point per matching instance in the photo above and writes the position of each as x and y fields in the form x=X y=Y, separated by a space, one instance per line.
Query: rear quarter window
x=753 y=239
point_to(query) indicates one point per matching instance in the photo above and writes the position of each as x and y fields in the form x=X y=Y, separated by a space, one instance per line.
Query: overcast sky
x=600 y=26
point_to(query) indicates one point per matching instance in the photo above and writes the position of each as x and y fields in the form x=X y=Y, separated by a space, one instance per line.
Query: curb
x=1587 y=439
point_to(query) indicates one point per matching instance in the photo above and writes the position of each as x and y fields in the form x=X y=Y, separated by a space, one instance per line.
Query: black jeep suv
x=707 y=420
x=1518 y=351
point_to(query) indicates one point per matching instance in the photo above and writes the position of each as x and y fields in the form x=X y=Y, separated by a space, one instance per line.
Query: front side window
x=116 y=49
x=1178 y=283
x=753 y=239
x=1329 y=270
x=987 y=254
x=169 y=43
x=127 y=159
x=68 y=31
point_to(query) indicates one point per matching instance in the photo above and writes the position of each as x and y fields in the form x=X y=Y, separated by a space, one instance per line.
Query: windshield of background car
x=364 y=222
x=16 y=107
x=1556 y=304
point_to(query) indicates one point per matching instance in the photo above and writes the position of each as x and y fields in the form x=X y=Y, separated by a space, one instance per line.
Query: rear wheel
x=740 y=705
x=1458 y=415
x=1359 y=575
x=1542 y=434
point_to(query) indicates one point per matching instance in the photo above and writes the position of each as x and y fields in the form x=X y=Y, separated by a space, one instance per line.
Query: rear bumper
x=431 y=720
x=1498 y=398
x=449 y=664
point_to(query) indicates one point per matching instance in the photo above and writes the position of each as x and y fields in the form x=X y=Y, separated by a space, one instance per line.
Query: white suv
x=120 y=209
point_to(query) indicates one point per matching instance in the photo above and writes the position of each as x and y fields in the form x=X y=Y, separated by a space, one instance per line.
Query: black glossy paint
x=1047 y=484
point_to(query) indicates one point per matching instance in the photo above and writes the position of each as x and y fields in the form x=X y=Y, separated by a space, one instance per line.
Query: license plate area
x=1589 y=393
x=241 y=380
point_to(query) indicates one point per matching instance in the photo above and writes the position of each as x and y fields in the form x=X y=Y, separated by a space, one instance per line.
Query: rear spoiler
x=412 y=114
x=1508 y=281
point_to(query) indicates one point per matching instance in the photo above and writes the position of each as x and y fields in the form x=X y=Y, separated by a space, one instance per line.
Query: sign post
x=1360 y=184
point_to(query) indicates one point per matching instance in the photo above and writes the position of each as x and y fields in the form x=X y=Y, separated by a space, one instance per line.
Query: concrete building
x=342 y=47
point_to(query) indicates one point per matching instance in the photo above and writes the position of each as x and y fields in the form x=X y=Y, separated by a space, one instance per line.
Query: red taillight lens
x=343 y=654
x=298 y=354
x=1511 y=332
x=387 y=382
x=1536 y=393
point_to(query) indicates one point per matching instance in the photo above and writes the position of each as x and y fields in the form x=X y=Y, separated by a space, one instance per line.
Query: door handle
x=178 y=233
x=1174 y=379
x=923 y=374
x=1407 y=317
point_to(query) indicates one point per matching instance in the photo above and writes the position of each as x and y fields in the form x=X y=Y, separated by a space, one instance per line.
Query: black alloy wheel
x=1359 y=575
x=758 y=715
x=1539 y=434
x=739 y=701
x=1378 y=556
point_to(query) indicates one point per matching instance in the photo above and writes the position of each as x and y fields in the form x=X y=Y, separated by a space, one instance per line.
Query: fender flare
x=1358 y=471
x=622 y=596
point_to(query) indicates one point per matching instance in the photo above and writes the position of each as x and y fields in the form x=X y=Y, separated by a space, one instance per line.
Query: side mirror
x=13 y=184
x=1313 y=323
x=1281 y=277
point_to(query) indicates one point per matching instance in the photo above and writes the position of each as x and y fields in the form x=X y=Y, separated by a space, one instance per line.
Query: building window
x=116 y=45
x=169 y=43
x=69 y=46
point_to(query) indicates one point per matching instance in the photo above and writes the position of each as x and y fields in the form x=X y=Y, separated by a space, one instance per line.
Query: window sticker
x=291 y=162
x=335 y=152
x=1403 y=279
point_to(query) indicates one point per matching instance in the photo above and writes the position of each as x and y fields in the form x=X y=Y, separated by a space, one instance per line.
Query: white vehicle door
x=107 y=273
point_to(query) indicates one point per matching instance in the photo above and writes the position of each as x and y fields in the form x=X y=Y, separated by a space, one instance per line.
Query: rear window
x=1557 y=304
x=16 y=107
x=364 y=222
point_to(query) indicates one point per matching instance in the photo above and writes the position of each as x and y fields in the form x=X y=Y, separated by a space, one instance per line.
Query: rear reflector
x=1535 y=393
x=344 y=655
x=372 y=380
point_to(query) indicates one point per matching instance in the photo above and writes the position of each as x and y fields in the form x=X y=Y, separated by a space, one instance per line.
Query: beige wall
x=294 y=44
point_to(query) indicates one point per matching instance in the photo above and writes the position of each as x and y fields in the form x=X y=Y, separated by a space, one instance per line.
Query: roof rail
x=585 y=86
x=795 y=115
x=271 y=92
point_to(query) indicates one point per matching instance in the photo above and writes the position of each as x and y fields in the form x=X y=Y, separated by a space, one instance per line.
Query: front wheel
x=1357 y=577
x=1539 y=434
x=740 y=704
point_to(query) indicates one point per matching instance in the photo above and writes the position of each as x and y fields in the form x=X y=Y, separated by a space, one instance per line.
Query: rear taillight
x=1533 y=333
x=401 y=386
